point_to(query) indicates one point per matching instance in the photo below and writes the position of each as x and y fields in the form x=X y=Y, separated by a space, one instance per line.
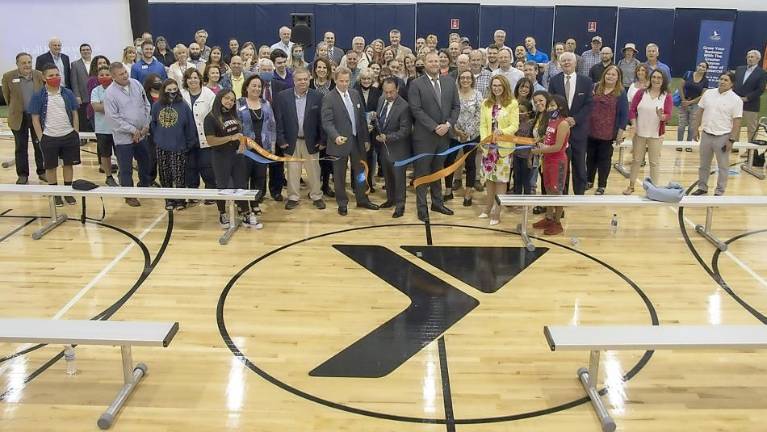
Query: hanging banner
x=714 y=45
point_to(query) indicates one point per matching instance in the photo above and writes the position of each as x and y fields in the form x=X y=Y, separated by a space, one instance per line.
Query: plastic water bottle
x=614 y=224
x=69 y=356
x=574 y=241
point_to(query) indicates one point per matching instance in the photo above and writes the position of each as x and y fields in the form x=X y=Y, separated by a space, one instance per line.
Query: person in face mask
x=173 y=128
x=296 y=60
x=103 y=126
x=555 y=161
x=54 y=117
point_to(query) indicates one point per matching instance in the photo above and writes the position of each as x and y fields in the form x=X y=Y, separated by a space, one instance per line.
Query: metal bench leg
x=56 y=220
x=619 y=165
x=705 y=231
x=131 y=375
x=750 y=168
x=234 y=224
x=522 y=229
x=9 y=163
x=589 y=379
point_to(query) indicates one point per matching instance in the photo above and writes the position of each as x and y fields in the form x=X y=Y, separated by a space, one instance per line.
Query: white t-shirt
x=718 y=111
x=57 y=122
x=647 y=121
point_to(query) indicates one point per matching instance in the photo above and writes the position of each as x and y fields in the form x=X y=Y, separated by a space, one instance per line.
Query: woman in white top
x=177 y=69
x=650 y=110
x=642 y=73
x=129 y=57
x=198 y=163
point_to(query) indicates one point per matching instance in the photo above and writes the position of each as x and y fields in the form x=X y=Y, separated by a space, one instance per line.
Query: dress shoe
x=539 y=210
x=441 y=209
x=423 y=215
x=387 y=204
x=447 y=197
x=600 y=191
x=290 y=205
x=277 y=197
x=328 y=192
x=42 y=178
x=467 y=202
x=133 y=202
x=110 y=181
x=699 y=192
x=22 y=180
x=398 y=212
x=58 y=201
x=342 y=210
x=319 y=203
x=589 y=185
x=367 y=205
x=70 y=200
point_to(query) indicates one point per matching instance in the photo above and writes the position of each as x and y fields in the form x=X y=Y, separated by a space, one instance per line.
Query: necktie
x=268 y=93
x=437 y=90
x=567 y=88
x=330 y=53
x=350 y=111
x=384 y=114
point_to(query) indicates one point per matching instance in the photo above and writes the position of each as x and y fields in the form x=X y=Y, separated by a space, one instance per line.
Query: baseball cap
x=597 y=38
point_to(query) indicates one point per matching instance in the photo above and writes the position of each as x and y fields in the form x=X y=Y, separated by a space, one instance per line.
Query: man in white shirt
x=719 y=114
x=195 y=56
x=284 y=44
x=358 y=46
x=505 y=68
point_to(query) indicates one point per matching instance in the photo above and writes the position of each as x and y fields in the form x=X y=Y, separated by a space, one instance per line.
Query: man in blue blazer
x=298 y=112
x=578 y=91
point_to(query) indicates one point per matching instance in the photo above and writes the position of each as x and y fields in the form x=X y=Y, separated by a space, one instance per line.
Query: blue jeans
x=686 y=119
x=126 y=153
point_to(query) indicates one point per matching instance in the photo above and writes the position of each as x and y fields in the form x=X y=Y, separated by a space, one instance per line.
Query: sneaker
x=291 y=204
x=251 y=221
x=600 y=191
x=209 y=202
x=110 y=181
x=169 y=205
x=483 y=215
x=70 y=200
x=133 y=202
x=180 y=205
x=553 y=229
x=22 y=180
x=42 y=178
x=699 y=192
x=223 y=220
x=320 y=204
x=494 y=222
x=192 y=203
x=543 y=223
x=59 y=202
x=257 y=210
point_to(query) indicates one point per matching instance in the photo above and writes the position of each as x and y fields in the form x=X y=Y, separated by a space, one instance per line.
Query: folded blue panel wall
x=641 y=26
x=750 y=33
x=574 y=22
x=435 y=18
x=518 y=22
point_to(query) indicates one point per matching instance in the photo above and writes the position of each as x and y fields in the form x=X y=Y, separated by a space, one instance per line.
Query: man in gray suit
x=393 y=127
x=435 y=107
x=345 y=125
x=79 y=73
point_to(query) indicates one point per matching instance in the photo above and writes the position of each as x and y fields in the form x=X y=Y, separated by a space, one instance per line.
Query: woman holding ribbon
x=499 y=121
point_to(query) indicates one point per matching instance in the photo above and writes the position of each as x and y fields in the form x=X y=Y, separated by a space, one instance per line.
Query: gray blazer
x=397 y=128
x=336 y=122
x=80 y=81
x=428 y=114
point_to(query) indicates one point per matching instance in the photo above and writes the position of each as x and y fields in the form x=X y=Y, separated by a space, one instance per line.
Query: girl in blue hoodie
x=174 y=131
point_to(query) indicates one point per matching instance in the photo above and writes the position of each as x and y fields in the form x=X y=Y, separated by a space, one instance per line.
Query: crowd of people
x=195 y=114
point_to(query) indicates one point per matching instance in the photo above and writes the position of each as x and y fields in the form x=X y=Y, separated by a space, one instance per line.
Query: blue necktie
x=350 y=110
x=384 y=114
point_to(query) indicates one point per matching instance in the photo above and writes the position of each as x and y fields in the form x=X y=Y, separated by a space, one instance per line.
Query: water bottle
x=614 y=224
x=69 y=356
x=574 y=241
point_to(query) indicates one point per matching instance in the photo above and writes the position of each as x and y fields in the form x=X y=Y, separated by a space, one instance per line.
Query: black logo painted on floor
x=435 y=305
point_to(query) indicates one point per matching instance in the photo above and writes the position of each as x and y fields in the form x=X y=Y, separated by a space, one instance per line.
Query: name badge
x=358 y=106
x=243 y=108
x=16 y=80
x=145 y=66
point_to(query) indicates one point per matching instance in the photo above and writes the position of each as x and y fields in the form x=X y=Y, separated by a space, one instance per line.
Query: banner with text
x=714 y=45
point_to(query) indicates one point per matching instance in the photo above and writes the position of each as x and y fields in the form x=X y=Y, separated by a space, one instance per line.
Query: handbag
x=676 y=98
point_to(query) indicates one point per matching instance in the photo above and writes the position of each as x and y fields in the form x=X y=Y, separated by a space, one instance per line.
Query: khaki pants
x=751 y=121
x=642 y=145
x=312 y=166
x=712 y=146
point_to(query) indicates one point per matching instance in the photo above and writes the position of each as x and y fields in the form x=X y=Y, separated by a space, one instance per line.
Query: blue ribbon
x=257 y=157
x=412 y=159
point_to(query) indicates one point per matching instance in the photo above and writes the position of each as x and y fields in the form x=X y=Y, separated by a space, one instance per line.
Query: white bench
x=706 y=201
x=70 y=332
x=646 y=338
x=131 y=192
x=747 y=167
x=8 y=134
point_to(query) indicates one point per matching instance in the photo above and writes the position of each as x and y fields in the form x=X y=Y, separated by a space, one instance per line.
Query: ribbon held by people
x=524 y=143
x=266 y=156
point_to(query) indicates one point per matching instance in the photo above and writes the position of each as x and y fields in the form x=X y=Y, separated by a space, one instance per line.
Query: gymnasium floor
x=266 y=321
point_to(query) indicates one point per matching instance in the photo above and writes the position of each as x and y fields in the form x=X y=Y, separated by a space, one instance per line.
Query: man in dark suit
x=750 y=81
x=393 y=125
x=435 y=107
x=343 y=119
x=55 y=56
x=335 y=54
x=577 y=90
x=272 y=88
x=79 y=72
x=299 y=134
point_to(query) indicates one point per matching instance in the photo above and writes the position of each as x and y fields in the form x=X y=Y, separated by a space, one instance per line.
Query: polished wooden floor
x=292 y=310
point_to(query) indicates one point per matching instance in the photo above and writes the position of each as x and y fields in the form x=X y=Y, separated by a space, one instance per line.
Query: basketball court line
x=96 y=279
x=17 y=229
